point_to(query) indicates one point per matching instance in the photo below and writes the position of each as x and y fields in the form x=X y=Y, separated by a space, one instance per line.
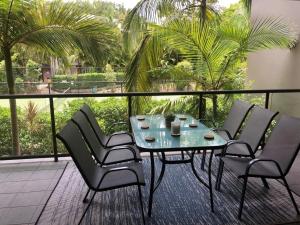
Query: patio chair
x=104 y=156
x=98 y=178
x=232 y=123
x=275 y=160
x=115 y=139
x=250 y=138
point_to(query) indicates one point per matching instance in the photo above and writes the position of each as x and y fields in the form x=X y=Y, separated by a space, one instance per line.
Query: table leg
x=203 y=159
x=151 y=183
x=210 y=184
x=195 y=172
x=162 y=172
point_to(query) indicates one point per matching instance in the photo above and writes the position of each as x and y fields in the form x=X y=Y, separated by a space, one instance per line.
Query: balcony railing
x=199 y=94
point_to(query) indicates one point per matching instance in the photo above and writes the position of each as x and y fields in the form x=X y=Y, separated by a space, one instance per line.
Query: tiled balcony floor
x=25 y=187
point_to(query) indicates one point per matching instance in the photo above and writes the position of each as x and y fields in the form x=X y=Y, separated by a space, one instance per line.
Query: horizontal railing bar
x=32 y=156
x=79 y=95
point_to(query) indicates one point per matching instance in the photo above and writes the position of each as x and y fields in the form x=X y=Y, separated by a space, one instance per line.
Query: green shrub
x=5 y=131
x=85 y=80
x=33 y=71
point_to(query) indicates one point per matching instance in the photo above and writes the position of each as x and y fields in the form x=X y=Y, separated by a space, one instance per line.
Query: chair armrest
x=119 y=148
x=117 y=169
x=222 y=129
x=254 y=161
x=233 y=142
x=119 y=133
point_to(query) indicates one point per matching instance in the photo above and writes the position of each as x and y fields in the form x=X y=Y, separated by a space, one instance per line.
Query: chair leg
x=264 y=180
x=182 y=155
x=141 y=203
x=85 y=200
x=291 y=195
x=203 y=159
x=87 y=208
x=219 y=175
x=242 y=198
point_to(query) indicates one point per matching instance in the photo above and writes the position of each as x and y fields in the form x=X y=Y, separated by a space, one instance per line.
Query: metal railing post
x=53 y=128
x=267 y=100
x=129 y=100
x=200 y=106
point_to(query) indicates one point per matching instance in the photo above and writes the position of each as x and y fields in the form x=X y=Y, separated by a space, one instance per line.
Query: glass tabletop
x=189 y=138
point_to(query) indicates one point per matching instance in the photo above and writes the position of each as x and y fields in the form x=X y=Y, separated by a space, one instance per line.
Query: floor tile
x=12 y=187
x=18 y=215
x=44 y=174
x=51 y=165
x=19 y=176
x=29 y=198
x=3 y=176
x=6 y=199
x=37 y=185
x=19 y=167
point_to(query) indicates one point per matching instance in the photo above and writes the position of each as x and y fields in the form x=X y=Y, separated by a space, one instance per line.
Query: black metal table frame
x=191 y=154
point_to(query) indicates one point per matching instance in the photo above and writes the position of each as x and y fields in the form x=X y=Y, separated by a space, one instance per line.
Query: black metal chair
x=233 y=122
x=115 y=139
x=250 y=138
x=99 y=178
x=275 y=160
x=104 y=156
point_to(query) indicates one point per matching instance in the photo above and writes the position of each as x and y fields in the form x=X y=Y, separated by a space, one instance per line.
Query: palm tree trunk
x=13 y=105
x=203 y=11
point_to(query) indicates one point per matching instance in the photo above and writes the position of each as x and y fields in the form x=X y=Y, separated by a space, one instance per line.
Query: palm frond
x=59 y=27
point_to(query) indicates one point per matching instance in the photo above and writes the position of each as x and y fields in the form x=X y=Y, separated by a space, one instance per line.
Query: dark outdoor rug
x=180 y=200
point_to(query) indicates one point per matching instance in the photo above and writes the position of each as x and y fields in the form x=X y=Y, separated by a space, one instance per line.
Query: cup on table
x=175 y=127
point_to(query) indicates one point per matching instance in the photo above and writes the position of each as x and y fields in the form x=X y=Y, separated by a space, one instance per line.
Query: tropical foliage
x=216 y=49
x=57 y=27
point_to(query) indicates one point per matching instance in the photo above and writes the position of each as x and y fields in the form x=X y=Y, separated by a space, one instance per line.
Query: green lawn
x=43 y=104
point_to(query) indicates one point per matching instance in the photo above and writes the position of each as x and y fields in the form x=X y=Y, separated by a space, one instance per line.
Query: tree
x=55 y=26
x=148 y=12
x=215 y=49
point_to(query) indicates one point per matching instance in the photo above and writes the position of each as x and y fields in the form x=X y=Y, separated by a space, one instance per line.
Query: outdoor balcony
x=40 y=191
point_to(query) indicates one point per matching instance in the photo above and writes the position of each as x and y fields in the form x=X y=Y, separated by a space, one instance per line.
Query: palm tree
x=214 y=48
x=155 y=11
x=55 y=26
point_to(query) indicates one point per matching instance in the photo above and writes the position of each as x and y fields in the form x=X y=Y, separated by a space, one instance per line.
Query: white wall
x=277 y=68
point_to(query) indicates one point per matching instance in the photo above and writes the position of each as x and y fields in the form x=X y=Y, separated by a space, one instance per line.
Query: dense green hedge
x=85 y=80
x=36 y=139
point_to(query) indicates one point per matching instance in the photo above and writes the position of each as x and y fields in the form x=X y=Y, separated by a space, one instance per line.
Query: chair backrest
x=256 y=126
x=236 y=117
x=89 y=135
x=73 y=141
x=283 y=143
x=94 y=124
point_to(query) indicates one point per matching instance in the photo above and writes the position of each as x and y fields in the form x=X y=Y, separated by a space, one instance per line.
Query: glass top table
x=189 y=140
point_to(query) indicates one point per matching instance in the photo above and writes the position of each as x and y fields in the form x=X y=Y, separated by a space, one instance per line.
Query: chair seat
x=119 y=139
x=122 y=155
x=118 y=179
x=239 y=165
